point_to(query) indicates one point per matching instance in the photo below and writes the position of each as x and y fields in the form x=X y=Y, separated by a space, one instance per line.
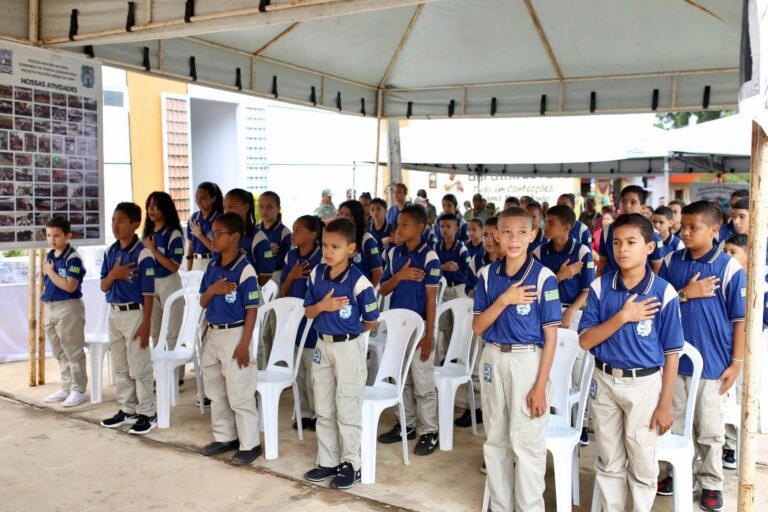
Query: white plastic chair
x=98 y=346
x=165 y=361
x=282 y=367
x=404 y=329
x=677 y=449
x=457 y=367
x=441 y=286
x=377 y=341
x=191 y=279
x=268 y=291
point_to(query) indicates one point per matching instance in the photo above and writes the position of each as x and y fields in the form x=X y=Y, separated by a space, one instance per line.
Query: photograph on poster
x=7 y=235
x=23 y=174
x=6 y=220
x=25 y=235
x=6 y=173
x=42 y=175
x=44 y=144
x=6 y=188
x=6 y=204
x=23 y=124
x=42 y=111
x=76 y=205
x=24 y=219
x=42 y=96
x=22 y=94
x=6 y=122
x=6 y=106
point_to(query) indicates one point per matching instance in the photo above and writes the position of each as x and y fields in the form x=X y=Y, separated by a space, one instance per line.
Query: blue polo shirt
x=606 y=251
x=299 y=286
x=477 y=262
x=573 y=251
x=428 y=237
x=257 y=248
x=521 y=324
x=169 y=243
x=392 y=214
x=278 y=234
x=708 y=321
x=368 y=258
x=726 y=231
x=538 y=241
x=143 y=281
x=206 y=224
x=463 y=233
x=581 y=233
x=68 y=265
x=412 y=294
x=230 y=308
x=457 y=254
x=352 y=284
x=636 y=344
x=473 y=249
x=672 y=244
x=379 y=234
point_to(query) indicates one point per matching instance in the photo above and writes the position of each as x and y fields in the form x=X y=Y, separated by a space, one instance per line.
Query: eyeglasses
x=217 y=234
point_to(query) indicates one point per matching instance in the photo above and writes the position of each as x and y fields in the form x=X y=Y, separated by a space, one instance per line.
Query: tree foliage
x=674 y=120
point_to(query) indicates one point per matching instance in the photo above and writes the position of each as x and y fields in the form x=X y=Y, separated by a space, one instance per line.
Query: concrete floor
x=58 y=451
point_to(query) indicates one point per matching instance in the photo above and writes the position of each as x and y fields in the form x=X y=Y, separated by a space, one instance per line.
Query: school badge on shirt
x=62 y=273
x=231 y=297
x=644 y=328
x=357 y=258
x=345 y=312
x=523 y=309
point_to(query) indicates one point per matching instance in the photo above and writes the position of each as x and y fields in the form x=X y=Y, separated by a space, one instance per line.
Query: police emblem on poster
x=345 y=312
x=644 y=328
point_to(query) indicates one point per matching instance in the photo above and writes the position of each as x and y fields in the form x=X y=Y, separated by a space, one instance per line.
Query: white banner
x=716 y=191
x=51 y=161
x=495 y=189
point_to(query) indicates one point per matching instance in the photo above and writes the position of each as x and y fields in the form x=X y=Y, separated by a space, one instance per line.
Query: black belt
x=619 y=373
x=336 y=338
x=126 y=307
x=226 y=326
x=199 y=256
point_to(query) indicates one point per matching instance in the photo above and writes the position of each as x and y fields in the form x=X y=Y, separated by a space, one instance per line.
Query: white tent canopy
x=426 y=58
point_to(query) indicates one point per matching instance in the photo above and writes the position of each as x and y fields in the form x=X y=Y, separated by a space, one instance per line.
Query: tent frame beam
x=401 y=45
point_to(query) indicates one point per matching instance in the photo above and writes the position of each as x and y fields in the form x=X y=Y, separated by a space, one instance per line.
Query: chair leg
x=596 y=498
x=562 y=466
x=472 y=405
x=575 y=491
x=175 y=387
x=199 y=382
x=368 y=444
x=163 y=376
x=96 y=363
x=403 y=433
x=297 y=409
x=683 y=486
x=486 y=497
x=269 y=400
x=111 y=368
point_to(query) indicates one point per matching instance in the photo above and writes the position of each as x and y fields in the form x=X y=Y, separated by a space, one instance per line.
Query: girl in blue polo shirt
x=255 y=243
x=163 y=237
x=378 y=226
x=475 y=243
x=368 y=255
x=278 y=234
x=299 y=262
x=211 y=204
x=451 y=205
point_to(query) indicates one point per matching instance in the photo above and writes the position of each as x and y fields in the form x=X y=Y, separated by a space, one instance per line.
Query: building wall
x=214 y=140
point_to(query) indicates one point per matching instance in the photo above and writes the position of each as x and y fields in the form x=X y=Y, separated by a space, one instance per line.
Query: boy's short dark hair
x=534 y=204
x=642 y=194
x=512 y=199
x=132 y=210
x=742 y=192
x=232 y=222
x=417 y=212
x=741 y=204
x=449 y=217
x=379 y=201
x=571 y=199
x=344 y=227
x=402 y=187
x=635 y=220
x=516 y=213
x=564 y=214
x=665 y=211
x=59 y=222
x=477 y=221
x=739 y=241
x=492 y=221
x=709 y=212
x=677 y=202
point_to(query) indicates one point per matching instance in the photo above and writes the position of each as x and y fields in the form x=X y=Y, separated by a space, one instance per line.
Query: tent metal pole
x=379 y=101
x=40 y=320
x=34 y=17
x=758 y=240
x=667 y=199
x=32 y=313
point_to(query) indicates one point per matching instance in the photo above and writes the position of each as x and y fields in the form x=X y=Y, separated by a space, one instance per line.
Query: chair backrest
x=460 y=346
x=404 y=330
x=585 y=376
x=268 y=291
x=693 y=354
x=191 y=279
x=560 y=375
x=441 y=286
x=190 y=321
x=289 y=311
x=102 y=324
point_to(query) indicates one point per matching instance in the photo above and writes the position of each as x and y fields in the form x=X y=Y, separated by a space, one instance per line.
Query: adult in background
x=677 y=215
x=590 y=214
x=431 y=210
x=326 y=210
x=479 y=210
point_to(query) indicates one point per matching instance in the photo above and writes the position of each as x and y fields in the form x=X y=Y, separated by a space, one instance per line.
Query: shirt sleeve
x=482 y=301
x=105 y=265
x=366 y=301
x=602 y=250
x=464 y=259
x=372 y=253
x=176 y=247
x=288 y=264
x=205 y=282
x=736 y=293
x=285 y=243
x=590 y=317
x=249 y=287
x=586 y=236
x=75 y=268
x=471 y=274
x=262 y=254
x=670 y=326
x=146 y=274
x=464 y=232
x=550 y=310
x=658 y=252
x=310 y=299
x=432 y=273
x=588 y=270
x=388 y=266
x=189 y=230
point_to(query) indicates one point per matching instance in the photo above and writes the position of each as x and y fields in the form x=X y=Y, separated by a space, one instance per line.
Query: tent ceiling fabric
x=559 y=56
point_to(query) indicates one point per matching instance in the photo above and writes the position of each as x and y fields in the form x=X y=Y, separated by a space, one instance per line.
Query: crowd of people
x=636 y=284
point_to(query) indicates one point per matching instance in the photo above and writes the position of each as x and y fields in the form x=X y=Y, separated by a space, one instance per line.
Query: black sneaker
x=729 y=459
x=321 y=473
x=394 y=436
x=665 y=487
x=121 y=418
x=711 y=500
x=216 y=447
x=465 y=420
x=144 y=425
x=346 y=477
x=206 y=402
x=584 y=439
x=306 y=424
x=245 y=457
x=427 y=444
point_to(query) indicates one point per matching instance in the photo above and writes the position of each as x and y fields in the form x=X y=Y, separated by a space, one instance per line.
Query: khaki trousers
x=304 y=383
x=420 y=396
x=132 y=364
x=708 y=428
x=627 y=465
x=165 y=286
x=338 y=380
x=515 y=450
x=231 y=389
x=200 y=264
x=65 y=328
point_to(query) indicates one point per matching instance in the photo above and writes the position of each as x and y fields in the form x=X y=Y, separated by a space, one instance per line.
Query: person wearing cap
x=478 y=211
x=431 y=210
x=326 y=210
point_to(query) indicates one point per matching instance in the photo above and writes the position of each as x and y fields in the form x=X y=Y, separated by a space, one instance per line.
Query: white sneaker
x=58 y=396
x=74 y=398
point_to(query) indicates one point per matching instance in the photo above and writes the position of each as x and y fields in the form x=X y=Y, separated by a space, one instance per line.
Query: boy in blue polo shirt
x=412 y=276
x=633 y=199
x=343 y=305
x=128 y=279
x=631 y=324
x=65 y=312
x=230 y=293
x=579 y=231
x=454 y=263
x=719 y=339
x=662 y=222
x=517 y=356
x=537 y=214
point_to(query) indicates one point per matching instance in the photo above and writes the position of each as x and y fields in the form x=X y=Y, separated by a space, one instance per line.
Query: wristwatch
x=682 y=296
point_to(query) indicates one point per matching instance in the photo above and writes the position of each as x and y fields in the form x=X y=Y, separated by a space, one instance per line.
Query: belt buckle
x=617 y=373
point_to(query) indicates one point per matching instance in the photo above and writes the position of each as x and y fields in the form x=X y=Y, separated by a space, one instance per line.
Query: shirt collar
x=309 y=256
x=210 y=217
x=455 y=245
x=339 y=278
x=642 y=288
x=521 y=274
x=709 y=257
x=131 y=246
x=418 y=249
x=570 y=245
x=232 y=264
x=64 y=254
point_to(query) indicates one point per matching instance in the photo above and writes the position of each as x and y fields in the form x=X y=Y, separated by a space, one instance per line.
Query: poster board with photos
x=51 y=155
